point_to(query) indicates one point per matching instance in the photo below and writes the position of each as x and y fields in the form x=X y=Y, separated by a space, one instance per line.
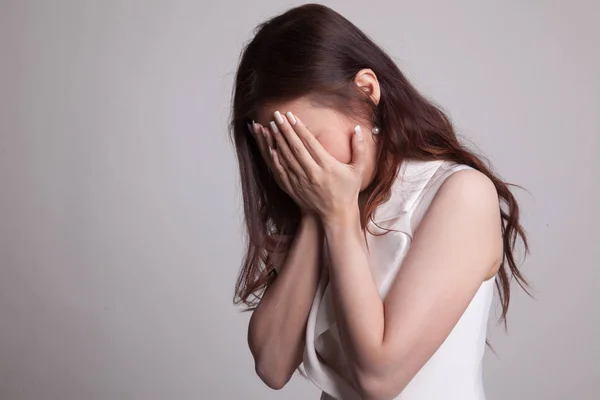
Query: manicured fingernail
x=291 y=117
x=278 y=117
x=274 y=127
x=358 y=132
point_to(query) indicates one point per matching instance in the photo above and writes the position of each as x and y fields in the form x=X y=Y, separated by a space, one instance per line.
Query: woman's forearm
x=276 y=331
x=359 y=308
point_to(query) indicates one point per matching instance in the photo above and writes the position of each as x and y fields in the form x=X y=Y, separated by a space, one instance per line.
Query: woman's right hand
x=266 y=142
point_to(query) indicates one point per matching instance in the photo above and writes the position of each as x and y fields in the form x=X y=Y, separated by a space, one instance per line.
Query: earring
x=375 y=131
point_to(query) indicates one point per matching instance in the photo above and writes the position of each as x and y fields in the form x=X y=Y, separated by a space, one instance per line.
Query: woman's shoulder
x=457 y=186
x=430 y=176
x=417 y=183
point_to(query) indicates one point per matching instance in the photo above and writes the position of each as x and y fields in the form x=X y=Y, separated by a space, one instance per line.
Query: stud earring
x=375 y=131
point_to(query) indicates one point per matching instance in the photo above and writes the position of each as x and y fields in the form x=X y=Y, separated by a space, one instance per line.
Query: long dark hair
x=312 y=51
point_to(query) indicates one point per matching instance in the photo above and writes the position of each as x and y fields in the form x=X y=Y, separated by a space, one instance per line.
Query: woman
x=375 y=237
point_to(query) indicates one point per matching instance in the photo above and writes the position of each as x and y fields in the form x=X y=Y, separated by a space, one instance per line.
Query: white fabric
x=454 y=371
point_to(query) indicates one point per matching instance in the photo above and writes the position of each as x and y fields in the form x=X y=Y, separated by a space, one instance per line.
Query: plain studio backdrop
x=120 y=206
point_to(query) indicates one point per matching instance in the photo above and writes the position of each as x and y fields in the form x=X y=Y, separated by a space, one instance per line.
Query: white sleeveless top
x=454 y=371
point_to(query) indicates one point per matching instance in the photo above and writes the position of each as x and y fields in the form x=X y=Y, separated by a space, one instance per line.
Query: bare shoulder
x=467 y=206
x=469 y=190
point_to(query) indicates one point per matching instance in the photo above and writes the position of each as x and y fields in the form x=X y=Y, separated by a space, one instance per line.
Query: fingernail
x=274 y=127
x=358 y=132
x=278 y=117
x=250 y=128
x=291 y=117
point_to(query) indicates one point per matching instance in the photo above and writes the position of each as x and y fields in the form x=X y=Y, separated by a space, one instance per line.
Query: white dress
x=454 y=371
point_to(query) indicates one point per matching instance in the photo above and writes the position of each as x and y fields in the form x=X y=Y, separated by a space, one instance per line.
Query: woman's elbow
x=372 y=387
x=272 y=377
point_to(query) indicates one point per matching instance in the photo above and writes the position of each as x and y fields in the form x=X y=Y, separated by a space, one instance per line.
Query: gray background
x=120 y=222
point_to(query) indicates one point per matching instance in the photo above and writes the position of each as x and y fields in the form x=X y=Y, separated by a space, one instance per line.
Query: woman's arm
x=276 y=332
x=455 y=246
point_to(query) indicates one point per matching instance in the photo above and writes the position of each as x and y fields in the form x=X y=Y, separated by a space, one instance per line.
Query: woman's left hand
x=328 y=185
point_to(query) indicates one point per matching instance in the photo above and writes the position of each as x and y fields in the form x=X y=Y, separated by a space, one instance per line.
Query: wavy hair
x=314 y=52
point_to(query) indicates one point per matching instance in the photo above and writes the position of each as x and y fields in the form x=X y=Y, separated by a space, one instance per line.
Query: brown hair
x=312 y=51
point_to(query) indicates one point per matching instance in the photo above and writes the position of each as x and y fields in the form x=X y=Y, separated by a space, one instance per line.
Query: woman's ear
x=366 y=80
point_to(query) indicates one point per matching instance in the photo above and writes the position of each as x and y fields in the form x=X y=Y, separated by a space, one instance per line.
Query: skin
x=276 y=332
x=331 y=129
x=457 y=245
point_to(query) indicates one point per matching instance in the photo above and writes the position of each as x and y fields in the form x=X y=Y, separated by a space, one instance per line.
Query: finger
x=262 y=134
x=359 y=153
x=282 y=159
x=261 y=137
x=293 y=178
x=270 y=140
x=312 y=145
x=260 y=140
x=286 y=153
x=296 y=144
x=276 y=175
x=280 y=171
x=251 y=128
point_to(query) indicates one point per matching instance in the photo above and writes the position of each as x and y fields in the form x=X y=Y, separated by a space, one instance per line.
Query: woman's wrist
x=311 y=220
x=344 y=219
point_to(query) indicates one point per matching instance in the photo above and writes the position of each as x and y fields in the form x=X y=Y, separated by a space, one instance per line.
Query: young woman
x=375 y=237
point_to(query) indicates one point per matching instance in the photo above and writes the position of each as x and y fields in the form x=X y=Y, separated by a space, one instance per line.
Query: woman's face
x=333 y=130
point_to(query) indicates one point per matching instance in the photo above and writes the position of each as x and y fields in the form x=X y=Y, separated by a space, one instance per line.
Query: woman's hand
x=321 y=182
x=265 y=143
